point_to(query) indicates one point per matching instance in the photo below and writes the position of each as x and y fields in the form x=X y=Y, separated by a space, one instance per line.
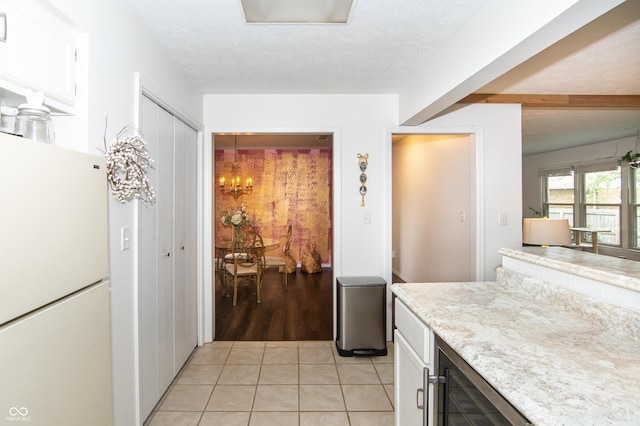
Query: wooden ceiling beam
x=556 y=101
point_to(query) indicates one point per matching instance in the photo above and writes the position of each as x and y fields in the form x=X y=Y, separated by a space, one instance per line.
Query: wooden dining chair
x=246 y=261
x=278 y=261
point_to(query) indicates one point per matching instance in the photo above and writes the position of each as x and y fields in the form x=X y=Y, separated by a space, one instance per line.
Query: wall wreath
x=127 y=165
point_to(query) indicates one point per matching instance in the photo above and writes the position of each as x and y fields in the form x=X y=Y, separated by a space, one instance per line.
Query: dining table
x=227 y=244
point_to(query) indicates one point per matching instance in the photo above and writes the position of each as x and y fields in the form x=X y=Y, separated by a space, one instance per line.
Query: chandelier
x=236 y=188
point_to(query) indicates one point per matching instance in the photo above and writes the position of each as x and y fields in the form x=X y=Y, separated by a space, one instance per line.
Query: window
x=635 y=211
x=601 y=204
x=591 y=196
x=560 y=196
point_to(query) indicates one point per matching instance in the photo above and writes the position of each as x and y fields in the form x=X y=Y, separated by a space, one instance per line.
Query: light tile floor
x=278 y=383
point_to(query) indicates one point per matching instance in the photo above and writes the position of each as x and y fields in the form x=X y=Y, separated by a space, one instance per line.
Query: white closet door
x=165 y=253
x=185 y=330
x=156 y=260
x=148 y=267
x=191 y=329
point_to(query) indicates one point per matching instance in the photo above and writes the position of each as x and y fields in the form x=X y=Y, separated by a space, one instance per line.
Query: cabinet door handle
x=167 y=254
x=423 y=403
x=3 y=29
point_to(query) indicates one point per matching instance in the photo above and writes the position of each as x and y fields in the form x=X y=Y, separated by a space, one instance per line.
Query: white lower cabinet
x=413 y=347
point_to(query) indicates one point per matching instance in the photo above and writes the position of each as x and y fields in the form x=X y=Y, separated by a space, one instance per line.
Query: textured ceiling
x=385 y=45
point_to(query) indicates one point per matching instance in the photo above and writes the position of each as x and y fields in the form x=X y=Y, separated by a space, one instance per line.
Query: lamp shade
x=548 y=232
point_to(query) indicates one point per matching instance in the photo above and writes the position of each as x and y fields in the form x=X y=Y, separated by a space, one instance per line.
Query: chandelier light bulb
x=235 y=188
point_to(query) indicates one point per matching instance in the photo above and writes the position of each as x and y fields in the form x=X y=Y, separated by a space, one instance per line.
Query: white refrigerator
x=55 y=340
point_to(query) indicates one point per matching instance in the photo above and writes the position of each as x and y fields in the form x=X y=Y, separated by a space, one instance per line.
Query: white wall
x=117 y=49
x=499 y=164
x=360 y=125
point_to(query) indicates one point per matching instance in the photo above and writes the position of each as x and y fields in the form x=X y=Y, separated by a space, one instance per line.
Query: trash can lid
x=361 y=281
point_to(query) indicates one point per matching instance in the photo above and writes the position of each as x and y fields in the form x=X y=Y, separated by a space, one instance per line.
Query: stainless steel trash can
x=361 y=316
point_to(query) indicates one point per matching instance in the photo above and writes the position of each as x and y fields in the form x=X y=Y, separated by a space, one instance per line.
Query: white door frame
x=477 y=140
x=207 y=305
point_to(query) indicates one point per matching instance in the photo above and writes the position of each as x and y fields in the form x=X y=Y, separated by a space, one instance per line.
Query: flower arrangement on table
x=236 y=219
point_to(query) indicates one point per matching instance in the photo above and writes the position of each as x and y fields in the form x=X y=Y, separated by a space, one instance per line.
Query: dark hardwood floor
x=301 y=312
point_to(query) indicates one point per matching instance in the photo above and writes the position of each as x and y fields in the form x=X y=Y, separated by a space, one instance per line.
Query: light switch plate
x=366 y=218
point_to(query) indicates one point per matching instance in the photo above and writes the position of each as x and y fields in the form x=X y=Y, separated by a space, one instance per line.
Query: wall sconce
x=236 y=188
x=546 y=232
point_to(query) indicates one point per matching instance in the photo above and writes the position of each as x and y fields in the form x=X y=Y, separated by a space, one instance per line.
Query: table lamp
x=546 y=232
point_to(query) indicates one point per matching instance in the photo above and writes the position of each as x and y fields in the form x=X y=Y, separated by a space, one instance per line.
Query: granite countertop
x=622 y=273
x=555 y=365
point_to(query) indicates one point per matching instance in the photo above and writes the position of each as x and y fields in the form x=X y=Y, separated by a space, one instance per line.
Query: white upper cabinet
x=39 y=53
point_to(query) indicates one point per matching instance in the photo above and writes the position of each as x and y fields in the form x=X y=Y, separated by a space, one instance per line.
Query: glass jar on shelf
x=34 y=122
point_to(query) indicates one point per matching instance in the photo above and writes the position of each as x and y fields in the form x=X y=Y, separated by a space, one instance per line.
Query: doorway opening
x=292 y=186
x=434 y=207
